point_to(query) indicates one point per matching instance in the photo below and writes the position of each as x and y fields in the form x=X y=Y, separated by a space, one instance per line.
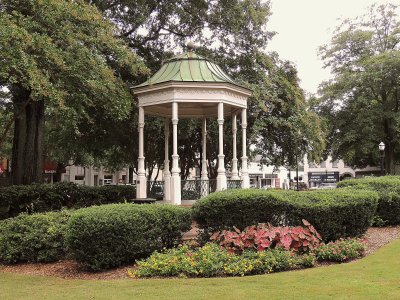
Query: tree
x=233 y=34
x=361 y=104
x=282 y=126
x=61 y=61
x=6 y=122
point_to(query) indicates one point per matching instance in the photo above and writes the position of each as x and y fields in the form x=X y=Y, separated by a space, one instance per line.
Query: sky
x=303 y=26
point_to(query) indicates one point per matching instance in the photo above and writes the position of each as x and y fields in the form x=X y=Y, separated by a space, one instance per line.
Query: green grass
x=374 y=277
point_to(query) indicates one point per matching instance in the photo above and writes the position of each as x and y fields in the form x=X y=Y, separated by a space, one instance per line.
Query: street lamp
x=382 y=150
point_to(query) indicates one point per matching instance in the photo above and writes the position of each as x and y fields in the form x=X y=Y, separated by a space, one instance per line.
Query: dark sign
x=323 y=177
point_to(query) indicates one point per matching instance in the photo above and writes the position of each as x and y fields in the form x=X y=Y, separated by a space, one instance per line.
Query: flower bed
x=258 y=249
x=340 y=250
x=212 y=260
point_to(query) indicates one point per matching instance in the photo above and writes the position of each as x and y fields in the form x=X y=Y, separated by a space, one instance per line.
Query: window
x=79 y=177
x=335 y=164
x=322 y=164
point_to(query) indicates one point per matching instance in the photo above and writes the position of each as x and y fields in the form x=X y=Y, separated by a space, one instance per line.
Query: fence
x=190 y=189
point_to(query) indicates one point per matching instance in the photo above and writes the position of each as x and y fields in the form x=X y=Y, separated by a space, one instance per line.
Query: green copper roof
x=188 y=67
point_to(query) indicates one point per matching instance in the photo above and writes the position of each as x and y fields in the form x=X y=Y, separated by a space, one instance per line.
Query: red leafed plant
x=299 y=239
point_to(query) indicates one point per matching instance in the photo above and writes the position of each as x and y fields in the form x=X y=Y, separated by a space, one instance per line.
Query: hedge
x=334 y=213
x=33 y=238
x=52 y=197
x=388 y=189
x=102 y=237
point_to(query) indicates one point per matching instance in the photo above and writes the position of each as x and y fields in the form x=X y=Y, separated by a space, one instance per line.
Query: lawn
x=374 y=277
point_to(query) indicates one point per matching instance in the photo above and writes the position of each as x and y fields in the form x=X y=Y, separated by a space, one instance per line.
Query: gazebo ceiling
x=196 y=83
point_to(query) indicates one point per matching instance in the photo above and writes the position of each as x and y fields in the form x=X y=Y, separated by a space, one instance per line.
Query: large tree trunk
x=27 y=154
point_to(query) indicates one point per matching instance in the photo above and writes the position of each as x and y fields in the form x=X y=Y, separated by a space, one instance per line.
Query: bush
x=335 y=213
x=52 y=197
x=211 y=260
x=107 y=236
x=341 y=250
x=388 y=188
x=33 y=238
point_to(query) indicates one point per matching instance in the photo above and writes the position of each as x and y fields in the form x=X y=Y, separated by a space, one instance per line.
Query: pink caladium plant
x=299 y=239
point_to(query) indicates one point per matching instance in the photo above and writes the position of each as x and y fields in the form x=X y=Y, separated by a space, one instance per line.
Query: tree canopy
x=68 y=58
x=60 y=60
x=361 y=103
x=234 y=34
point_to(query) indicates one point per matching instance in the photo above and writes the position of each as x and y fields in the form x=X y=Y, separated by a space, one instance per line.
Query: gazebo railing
x=191 y=189
x=234 y=184
x=195 y=189
x=155 y=189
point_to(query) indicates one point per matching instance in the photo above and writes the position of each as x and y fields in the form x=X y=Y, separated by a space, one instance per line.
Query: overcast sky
x=303 y=26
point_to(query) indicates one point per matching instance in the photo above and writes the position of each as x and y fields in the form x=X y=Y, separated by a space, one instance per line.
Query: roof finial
x=190 y=46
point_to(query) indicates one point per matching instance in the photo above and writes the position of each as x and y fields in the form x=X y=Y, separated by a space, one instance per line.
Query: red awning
x=49 y=167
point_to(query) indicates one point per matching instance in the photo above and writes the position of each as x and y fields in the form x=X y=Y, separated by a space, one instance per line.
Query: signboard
x=49 y=167
x=323 y=177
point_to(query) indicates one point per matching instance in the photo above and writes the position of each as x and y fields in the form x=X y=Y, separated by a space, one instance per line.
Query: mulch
x=68 y=269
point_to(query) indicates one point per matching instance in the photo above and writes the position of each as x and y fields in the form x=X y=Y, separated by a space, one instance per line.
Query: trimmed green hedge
x=33 y=238
x=388 y=188
x=334 y=213
x=52 y=197
x=102 y=237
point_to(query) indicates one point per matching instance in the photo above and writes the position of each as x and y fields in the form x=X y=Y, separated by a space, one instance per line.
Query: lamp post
x=382 y=150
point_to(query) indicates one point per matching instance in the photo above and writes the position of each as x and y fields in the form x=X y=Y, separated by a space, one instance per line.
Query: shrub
x=334 y=213
x=33 y=238
x=388 y=188
x=107 y=236
x=212 y=260
x=52 y=197
x=298 y=239
x=341 y=250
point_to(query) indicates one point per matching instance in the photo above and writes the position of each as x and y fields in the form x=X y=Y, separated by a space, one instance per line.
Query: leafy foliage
x=335 y=213
x=388 y=189
x=341 y=250
x=361 y=104
x=233 y=34
x=102 y=237
x=212 y=260
x=61 y=57
x=262 y=237
x=33 y=238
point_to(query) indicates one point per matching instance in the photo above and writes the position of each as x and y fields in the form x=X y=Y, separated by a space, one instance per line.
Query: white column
x=235 y=172
x=167 y=173
x=245 y=172
x=175 y=176
x=141 y=181
x=204 y=172
x=221 y=177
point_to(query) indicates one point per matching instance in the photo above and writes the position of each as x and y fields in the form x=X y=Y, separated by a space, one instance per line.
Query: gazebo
x=191 y=86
